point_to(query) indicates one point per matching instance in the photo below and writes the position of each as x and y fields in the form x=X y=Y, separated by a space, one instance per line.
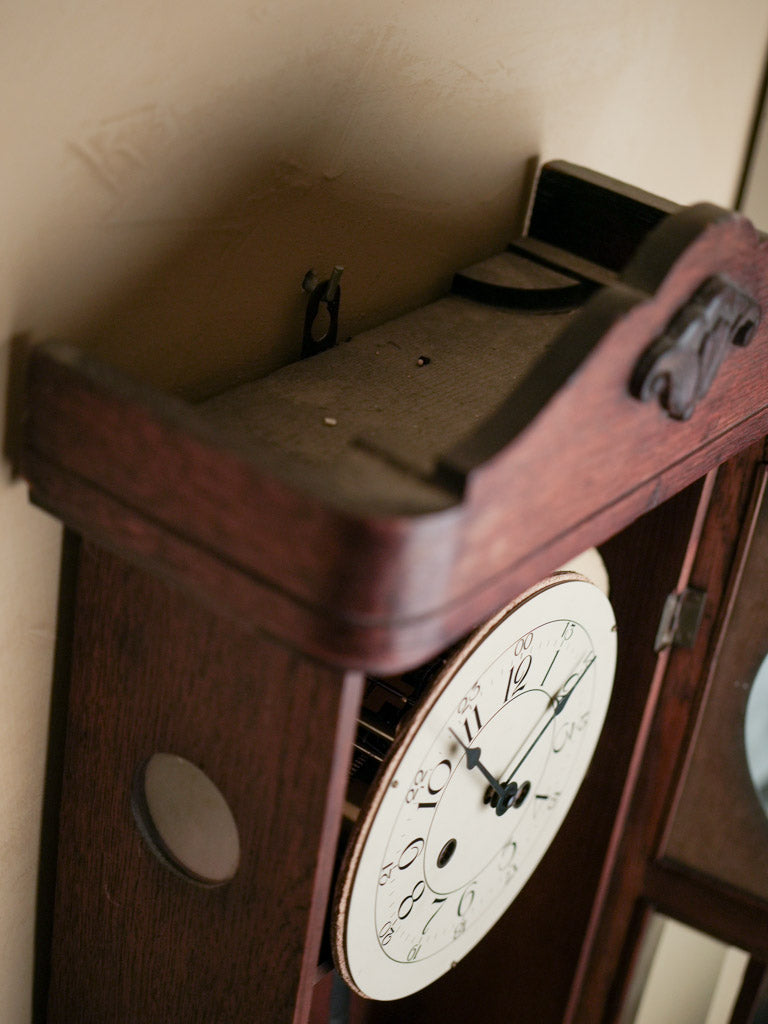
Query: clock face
x=474 y=789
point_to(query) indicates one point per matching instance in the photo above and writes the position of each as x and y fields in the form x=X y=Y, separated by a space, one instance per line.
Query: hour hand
x=473 y=761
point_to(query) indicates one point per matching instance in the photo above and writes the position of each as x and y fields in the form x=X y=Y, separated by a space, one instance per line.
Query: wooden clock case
x=246 y=565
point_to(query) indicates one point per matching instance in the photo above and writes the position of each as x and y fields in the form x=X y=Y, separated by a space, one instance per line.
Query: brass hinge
x=680 y=619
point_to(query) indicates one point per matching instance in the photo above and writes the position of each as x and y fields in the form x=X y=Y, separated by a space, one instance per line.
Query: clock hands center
x=507 y=791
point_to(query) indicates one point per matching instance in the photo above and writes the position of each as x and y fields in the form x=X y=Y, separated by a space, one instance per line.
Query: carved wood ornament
x=680 y=365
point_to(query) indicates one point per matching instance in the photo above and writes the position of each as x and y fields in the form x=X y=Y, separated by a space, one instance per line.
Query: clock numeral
x=468 y=725
x=438 y=780
x=413 y=792
x=386 y=933
x=469 y=699
x=407 y=904
x=440 y=900
x=523 y=644
x=508 y=853
x=549 y=800
x=517 y=674
x=467 y=899
x=568 y=631
x=386 y=873
x=410 y=853
x=565 y=734
x=413 y=952
x=510 y=873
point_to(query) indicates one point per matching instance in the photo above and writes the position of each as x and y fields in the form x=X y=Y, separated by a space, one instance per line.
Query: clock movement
x=337 y=706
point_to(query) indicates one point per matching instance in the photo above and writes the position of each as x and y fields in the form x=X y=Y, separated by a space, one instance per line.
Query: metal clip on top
x=329 y=294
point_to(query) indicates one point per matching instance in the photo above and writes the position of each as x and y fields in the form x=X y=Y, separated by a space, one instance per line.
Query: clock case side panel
x=633 y=881
x=132 y=940
x=510 y=973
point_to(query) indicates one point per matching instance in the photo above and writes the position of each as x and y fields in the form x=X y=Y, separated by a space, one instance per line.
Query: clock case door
x=675 y=812
x=526 y=966
x=698 y=846
x=233 y=591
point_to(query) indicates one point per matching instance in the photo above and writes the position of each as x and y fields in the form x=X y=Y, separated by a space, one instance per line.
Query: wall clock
x=248 y=568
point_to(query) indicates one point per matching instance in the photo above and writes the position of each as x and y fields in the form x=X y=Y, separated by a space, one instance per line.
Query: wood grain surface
x=133 y=941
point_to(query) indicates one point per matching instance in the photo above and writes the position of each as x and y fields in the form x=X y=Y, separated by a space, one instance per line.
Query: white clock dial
x=475 y=788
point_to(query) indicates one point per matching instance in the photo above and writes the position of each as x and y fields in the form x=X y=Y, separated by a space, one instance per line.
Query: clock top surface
x=374 y=502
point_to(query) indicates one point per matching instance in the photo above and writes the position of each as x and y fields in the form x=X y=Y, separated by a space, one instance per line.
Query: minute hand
x=560 y=703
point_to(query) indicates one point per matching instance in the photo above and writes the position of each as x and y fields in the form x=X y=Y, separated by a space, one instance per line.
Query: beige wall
x=171 y=169
x=755 y=199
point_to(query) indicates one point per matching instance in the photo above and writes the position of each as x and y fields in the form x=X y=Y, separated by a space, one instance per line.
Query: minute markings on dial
x=554 y=659
x=518 y=673
x=561 y=700
x=552 y=700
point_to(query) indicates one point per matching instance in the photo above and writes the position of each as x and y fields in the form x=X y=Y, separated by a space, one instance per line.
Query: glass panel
x=756 y=733
x=684 y=977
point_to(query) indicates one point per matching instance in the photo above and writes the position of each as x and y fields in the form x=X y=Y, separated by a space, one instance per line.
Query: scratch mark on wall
x=92 y=164
x=469 y=72
x=41 y=633
x=355 y=90
x=122 y=148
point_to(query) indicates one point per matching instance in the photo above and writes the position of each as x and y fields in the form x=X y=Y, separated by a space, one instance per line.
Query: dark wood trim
x=160 y=467
x=593 y=216
x=734 y=917
x=752 y=994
